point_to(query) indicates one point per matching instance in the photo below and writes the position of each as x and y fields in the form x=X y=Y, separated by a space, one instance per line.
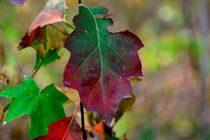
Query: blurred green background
x=173 y=98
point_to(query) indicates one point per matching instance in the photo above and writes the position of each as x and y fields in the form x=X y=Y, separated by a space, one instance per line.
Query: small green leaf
x=43 y=107
x=39 y=61
x=51 y=56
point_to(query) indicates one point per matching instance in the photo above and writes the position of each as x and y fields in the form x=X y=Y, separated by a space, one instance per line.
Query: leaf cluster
x=99 y=68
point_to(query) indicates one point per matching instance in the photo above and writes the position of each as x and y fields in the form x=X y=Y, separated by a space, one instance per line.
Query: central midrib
x=100 y=56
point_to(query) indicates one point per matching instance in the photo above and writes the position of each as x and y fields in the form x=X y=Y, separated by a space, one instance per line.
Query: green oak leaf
x=43 y=107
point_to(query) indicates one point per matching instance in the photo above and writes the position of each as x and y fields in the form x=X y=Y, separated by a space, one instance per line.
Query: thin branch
x=83 y=121
x=32 y=76
x=84 y=134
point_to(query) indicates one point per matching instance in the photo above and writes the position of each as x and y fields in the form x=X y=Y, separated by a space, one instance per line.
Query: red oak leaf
x=60 y=130
x=101 y=62
x=28 y=40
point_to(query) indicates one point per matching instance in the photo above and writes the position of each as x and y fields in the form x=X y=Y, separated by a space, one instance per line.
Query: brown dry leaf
x=4 y=80
x=55 y=36
x=53 y=12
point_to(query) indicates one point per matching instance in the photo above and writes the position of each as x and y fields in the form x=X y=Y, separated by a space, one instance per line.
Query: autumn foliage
x=100 y=66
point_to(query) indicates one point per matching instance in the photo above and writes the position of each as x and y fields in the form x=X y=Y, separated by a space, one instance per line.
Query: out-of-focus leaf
x=43 y=107
x=18 y=2
x=124 y=124
x=4 y=80
x=125 y=105
x=101 y=62
x=147 y=134
x=63 y=130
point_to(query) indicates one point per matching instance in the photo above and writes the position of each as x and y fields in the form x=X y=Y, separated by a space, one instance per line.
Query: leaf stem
x=72 y=119
x=83 y=121
x=70 y=24
x=82 y=111
x=32 y=76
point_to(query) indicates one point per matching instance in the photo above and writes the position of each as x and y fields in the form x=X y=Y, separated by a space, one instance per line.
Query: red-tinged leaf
x=53 y=12
x=18 y=2
x=47 y=41
x=36 y=35
x=60 y=130
x=101 y=62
